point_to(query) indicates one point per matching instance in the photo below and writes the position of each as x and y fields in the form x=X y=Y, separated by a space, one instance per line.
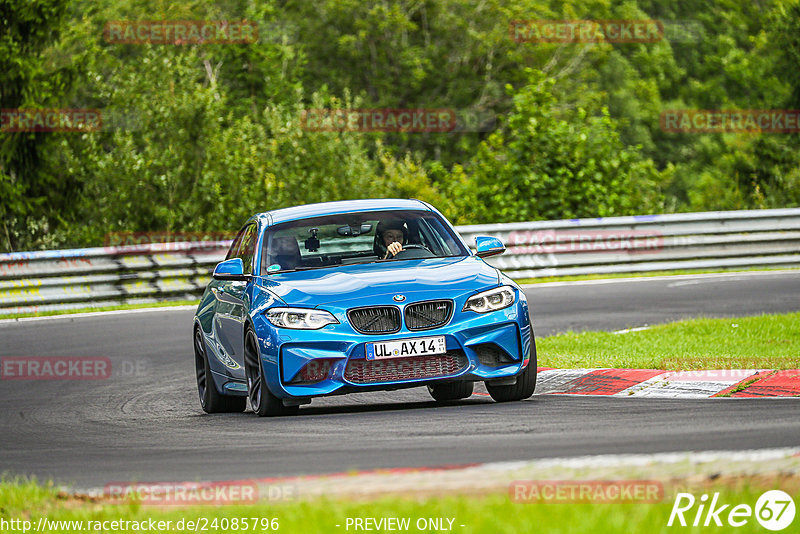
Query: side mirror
x=488 y=246
x=232 y=269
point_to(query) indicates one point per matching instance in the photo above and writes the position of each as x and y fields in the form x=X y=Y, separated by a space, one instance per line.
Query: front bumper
x=481 y=347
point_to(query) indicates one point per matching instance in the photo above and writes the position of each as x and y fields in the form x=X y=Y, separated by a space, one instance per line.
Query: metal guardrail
x=91 y=277
x=708 y=240
x=106 y=276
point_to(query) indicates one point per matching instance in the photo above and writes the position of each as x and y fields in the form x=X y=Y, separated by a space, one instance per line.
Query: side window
x=247 y=249
x=440 y=240
x=232 y=252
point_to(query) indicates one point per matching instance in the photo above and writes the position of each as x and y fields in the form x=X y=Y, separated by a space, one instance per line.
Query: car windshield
x=345 y=239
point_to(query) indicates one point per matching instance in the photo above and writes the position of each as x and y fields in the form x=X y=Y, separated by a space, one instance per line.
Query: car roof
x=343 y=206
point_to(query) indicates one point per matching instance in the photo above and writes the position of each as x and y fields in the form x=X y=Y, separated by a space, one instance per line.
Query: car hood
x=434 y=276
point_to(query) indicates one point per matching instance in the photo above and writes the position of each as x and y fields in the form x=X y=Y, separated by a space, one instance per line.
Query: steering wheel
x=423 y=251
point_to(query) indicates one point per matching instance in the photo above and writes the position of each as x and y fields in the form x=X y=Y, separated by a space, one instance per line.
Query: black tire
x=262 y=401
x=526 y=381
x=450 y=391
x=211 y=400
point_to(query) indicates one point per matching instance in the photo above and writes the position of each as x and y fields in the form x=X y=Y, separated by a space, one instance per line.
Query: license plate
x=402 y=348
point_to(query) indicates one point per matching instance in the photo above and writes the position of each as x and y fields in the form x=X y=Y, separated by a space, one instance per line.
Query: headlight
x=494 y=299
x=300 y=318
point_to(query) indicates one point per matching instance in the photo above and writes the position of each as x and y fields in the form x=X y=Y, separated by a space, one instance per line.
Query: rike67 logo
x=774 y=510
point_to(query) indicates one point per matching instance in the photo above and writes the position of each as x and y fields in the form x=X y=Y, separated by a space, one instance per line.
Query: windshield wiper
x=360 y=262
x=301 y=268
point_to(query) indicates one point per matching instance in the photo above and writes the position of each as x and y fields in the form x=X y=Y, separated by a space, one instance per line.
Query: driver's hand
x=393 y=249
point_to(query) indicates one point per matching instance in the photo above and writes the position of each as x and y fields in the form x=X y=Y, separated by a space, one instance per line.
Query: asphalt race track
x=144 y=423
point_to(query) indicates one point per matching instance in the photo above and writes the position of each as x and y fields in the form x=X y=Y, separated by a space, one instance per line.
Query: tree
x=548 y=164
x=30 y=200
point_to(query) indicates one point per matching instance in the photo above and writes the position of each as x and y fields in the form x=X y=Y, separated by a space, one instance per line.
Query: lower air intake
x=401 y=369
x=491 y=355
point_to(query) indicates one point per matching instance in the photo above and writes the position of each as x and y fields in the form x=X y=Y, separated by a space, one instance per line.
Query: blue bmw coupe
x=359 y=295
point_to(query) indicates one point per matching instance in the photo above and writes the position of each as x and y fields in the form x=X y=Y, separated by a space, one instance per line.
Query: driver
x=390 y=236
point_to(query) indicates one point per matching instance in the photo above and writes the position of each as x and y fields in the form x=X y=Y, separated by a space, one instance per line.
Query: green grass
x=494 y=513
x=647 y=274
x=102 y=309
x=766 y=341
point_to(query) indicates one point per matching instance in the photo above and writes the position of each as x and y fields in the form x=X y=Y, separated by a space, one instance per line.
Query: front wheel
x=450 y=391
x=523 y=388
x=210 y=399
x=262 y=401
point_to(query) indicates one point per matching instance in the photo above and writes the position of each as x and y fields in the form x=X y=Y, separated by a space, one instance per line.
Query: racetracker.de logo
x=50 y=120
x=128 y=243
x=55 y=368
x=579 y=241
x=730 y=367
x=379 y=120
x=586 y=31
x=190 y=493
x=586 y=491
x=179 y=32
x=730 y=121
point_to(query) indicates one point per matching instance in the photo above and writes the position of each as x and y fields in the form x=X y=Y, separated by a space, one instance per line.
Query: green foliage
x=29 y=79
x=554 y=165
x=186 y=160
